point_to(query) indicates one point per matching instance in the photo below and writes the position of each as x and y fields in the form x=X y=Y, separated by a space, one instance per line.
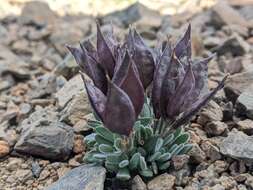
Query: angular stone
x=238 y=146
x=215 y=128
x=138 y=184
x=238 y=83
x=246 y=126
x=76 y=109
x=42 y=135
x=212 y=112
x=235 y=45
x=162 y=182
x=84 y=177
x=196 y=154
x=244 y=103
x=69 y=90
x=223 y=13
x=37 y=12
x=4 y=148
x=135 y=13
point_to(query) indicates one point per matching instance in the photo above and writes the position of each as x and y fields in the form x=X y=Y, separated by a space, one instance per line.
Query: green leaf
x=154 y=156
x=146 y=120
x=168 y=139
x=105 y=133
x=123 y=174
x=183 y=138
x=134 y=161
x=186 y=149
x=171 y=149
x=111 y=166
x=178 y=131
x=154 y=168
x=90 y=140
x=142 y=151
x=164 y=157
x=99 y=155
x=177 y=150
x=113 y=158
x=123 y=163
x=159 y=144
x=104 y=148
x=117 y=144
x=164 y=166
x=101 y=140
x=93 y=124
x=146 y=173
x=150 y=144
x=142 y=163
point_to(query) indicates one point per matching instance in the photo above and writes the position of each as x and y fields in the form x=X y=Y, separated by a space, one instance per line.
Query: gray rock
x=212 y=112
x=37 y=12
x=42 y=135
x=215 y=128
x=196 y=154
x=135 y=13
x=76 y=109
x=162 y=182
x=238 y=145
x=244 y=103
x=138 y=184
x=69 y=90
x=246 y=126
x=45 y=86
x=235 y=45
x=84 y=177
x=224 y=14
x=238 y=83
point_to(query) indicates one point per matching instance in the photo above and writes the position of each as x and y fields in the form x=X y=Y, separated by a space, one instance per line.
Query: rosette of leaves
x=132 y=135
x=143 y=152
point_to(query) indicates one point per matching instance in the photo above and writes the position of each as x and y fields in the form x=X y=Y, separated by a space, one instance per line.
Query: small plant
x=132 y=132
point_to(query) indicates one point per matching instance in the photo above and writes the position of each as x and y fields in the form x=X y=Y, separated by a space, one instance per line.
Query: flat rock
x=44 y=136
x=69 y=90
x=162 y=182
x=37 y=12
x=235 y=45
x=244 y=103
x=84 y=177
x=238 y=146
x=246 y=126
x=212 y=112
x=223 y=13
x=138 y=184
x=136 y=13
x=215 y=128
x=237 y=83
x=76 y=109
x=4 y=148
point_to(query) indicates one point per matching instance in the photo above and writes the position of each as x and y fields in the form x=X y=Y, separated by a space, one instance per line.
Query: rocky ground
x=44 y=108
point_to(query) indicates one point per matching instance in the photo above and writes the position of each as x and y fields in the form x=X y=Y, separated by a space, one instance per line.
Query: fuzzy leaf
x=146 y=173
x=119 y=114
x=168 y=139
x=186 y=149
x=111 y=166
x=154 y=168
x=134 y=161
x=123 y=174
x=101 y=140
x=164 y=157
x=183 y=138
x=142 y=163
x=105 y=133
x=104 y=148
x=123 y=163
x=154 y=156
x=159 y=144
x=164 y=166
